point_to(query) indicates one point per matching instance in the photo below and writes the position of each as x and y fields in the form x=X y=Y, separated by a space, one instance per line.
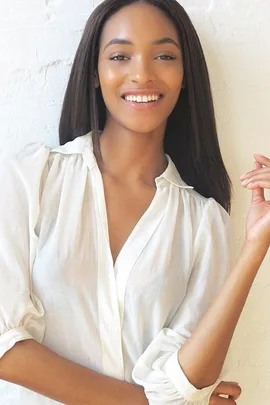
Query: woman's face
x=141 y=67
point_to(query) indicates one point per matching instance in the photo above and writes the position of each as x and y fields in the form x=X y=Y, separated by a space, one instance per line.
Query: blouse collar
x=84 y=145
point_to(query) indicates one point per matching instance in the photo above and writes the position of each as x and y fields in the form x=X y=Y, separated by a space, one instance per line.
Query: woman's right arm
x=23 y=358
x=32 y=365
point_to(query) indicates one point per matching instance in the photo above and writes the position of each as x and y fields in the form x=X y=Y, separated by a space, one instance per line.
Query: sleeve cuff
x=9 y=338
x=193 y=395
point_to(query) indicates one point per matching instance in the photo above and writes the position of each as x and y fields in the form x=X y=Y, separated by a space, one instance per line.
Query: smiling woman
x=116 y=57
x=119 y=263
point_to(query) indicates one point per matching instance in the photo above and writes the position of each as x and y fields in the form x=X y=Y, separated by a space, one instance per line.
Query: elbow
x=200 y=377
x=205 y=381
x=201 y=380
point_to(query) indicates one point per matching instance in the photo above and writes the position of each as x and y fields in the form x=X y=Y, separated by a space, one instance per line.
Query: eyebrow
x=121 y=41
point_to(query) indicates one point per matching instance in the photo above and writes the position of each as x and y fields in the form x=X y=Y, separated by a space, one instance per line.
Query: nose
x=142 y=71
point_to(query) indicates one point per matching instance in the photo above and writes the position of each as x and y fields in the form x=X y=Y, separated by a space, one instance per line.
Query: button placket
x=137 y=242
x=109 y=318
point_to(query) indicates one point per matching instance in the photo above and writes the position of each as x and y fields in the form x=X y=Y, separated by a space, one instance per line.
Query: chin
x=143 y=128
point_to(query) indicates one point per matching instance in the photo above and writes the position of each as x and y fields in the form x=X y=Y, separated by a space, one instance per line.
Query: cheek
x=173 y=77
x=110 y=78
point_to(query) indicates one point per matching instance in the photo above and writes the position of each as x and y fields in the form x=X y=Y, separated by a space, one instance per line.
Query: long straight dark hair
x=190 y=136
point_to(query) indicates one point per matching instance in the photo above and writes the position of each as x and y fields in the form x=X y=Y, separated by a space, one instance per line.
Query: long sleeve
x=21 y=313
x=158 y=369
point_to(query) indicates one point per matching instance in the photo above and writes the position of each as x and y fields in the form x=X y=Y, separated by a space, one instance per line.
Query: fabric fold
x=21 y=313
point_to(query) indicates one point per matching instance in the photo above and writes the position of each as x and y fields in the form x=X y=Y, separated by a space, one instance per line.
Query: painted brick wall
x=38 y=39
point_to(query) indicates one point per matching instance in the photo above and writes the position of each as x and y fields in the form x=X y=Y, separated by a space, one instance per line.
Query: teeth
x=142 y=99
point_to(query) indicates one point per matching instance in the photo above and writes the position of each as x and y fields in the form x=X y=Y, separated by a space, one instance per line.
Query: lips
x=142 y=106
x=138 y=92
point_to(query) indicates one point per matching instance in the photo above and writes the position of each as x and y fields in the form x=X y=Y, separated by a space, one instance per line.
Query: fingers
x=230 y=388
x=261 y=171
x=257 y=192
x=257 y=180
x=221 y=401
x=262 y=181
x=262 y=159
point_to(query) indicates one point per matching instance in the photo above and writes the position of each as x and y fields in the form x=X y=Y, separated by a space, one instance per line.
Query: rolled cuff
x=159 y=372
x=9 y=338
x=190 y=393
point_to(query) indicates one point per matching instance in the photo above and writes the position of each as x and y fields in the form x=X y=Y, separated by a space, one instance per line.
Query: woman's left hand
x=258 y=220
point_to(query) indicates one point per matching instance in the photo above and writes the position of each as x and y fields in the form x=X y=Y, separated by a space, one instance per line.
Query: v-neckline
x=151 y=217
x=118 y=272
x=132 y=234
x=106 y=223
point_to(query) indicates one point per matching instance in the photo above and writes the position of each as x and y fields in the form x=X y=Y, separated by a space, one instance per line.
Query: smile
x=142 y=98
x=143 y=102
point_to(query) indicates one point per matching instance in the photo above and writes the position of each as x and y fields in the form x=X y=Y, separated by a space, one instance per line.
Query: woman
x=115 y=283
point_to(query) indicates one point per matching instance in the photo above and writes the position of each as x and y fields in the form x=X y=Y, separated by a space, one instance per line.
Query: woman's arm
x=203 y=355
x=29 y=363
x=32 y=365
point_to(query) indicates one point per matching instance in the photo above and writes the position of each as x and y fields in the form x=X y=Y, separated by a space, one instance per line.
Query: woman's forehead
x=139 y=21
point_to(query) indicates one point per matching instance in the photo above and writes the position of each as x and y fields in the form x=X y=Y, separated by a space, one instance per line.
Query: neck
x=132 y=157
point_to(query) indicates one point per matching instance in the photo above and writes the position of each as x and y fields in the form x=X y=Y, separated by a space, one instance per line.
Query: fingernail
x=242 y=177
x=244 y=182
x=250 y=185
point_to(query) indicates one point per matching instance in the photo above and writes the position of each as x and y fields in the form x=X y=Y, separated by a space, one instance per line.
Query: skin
x=131 y=145
x=137 y=136
x=132 y=140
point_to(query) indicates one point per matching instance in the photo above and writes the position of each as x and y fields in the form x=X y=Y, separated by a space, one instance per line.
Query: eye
x=168 y=57
x=121 y=57
x=118 y=57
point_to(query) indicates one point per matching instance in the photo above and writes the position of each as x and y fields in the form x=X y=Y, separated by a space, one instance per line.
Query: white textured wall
x=38 y=40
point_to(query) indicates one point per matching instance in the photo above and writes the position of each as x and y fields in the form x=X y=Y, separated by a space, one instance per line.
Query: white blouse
x=59 y=286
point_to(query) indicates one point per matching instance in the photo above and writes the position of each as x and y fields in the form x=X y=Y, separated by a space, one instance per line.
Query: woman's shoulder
x=31 y=164
x=23 y=159
x=201 y=207
x=193 y=202
x=36 y=152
